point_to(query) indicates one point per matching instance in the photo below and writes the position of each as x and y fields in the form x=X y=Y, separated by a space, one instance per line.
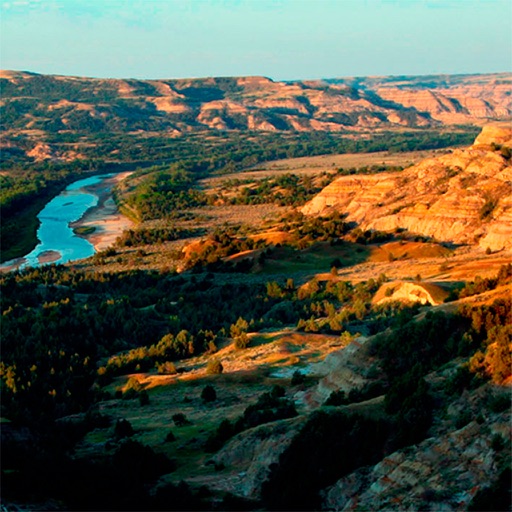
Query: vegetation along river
x=57 y=242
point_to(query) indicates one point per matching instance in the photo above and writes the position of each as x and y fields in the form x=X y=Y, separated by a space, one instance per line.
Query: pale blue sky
x=281 y=39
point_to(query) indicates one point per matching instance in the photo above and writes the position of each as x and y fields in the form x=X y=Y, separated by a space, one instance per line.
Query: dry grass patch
x=274 y=237
x=322 y=163
x=407 y=250
x=315 y=259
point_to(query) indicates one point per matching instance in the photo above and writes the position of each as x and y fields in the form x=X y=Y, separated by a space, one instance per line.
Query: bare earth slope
x=33 y=101
x=464 y=197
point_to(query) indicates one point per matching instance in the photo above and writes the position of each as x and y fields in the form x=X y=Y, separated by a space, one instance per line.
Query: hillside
x=34 y=101
x=316 y=333
x=464 y=197
x=35 y=105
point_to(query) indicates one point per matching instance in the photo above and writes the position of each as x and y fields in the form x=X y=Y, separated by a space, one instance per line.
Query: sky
x=280 y=39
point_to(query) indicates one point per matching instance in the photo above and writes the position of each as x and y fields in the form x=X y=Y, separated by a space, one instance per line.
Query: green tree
x=241 y=326
x=209 y=394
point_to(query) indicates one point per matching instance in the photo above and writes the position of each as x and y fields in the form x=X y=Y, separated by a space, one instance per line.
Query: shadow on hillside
x=320 y=257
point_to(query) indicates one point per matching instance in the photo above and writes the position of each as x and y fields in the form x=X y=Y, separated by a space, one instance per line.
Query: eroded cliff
x=464 y=197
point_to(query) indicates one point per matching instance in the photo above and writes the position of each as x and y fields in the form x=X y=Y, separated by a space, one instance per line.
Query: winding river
x=57 y=241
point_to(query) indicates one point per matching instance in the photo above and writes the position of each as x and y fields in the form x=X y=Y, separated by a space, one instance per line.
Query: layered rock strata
x=464 y=197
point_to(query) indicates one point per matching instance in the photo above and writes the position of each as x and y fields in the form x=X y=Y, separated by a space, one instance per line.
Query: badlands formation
x=356 y=104
x=464 y=197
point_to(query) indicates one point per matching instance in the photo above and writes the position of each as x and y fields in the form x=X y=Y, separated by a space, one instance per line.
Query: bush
x=499 y=403
x=225 y=430
x=180 y=420
x=497 y=443
x=336 y=263
x=495 y=497
x=214 y=367
x=123 y=429
x=133 y=386
x=268 y=408
x=140 y=463
x=329 y=446
x=209 y=394
x=166 y=368
x=297 y=378
x=278 y=391
x=143 y=398
x=242 y=341
x=488 y=207
x=337 y=397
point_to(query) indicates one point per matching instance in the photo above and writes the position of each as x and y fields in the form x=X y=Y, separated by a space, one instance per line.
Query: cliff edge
x=464 y=197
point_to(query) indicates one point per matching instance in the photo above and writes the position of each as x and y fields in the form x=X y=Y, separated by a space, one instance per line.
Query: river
x=57 y=241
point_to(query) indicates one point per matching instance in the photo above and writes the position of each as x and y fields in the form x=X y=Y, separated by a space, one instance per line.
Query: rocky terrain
x=441 y=473
x=302 y=397
x=65 y=104
x=464 y=197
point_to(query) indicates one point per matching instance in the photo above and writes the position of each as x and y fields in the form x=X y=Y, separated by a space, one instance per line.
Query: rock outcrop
x=464 y=197
x=256 y=103
x=441 y=473
x=451 y=99
x=424 y=293
x=250 y=455
x=345 y=370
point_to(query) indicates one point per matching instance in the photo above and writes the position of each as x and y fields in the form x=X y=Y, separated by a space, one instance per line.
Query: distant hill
x=33 y=102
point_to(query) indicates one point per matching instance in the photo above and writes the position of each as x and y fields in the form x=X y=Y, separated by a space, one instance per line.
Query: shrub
x=488 y=207
x=268 y=408
x=497 y=443
x=297 y=378
x=166 y=368
x=337 y=397
x=123 y=429
x=278 y=391
x=143 y=398
x=329 y=446
x=336 y=263
x=180 y=420
x=134 y=384
x=241 y=326
x=132 y=389
x=242 y=341
x=494 y=497
x=225 y=431
x=140 y=463
x=499 y=403
x=209 y=394
x=214 y=367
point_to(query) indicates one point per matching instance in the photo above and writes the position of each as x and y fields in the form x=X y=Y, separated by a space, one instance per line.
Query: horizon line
x=340 y=77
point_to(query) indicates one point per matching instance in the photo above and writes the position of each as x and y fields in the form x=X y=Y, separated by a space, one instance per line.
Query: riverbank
x=104 y=218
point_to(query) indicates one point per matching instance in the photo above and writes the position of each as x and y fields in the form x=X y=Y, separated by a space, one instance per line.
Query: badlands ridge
x=464 y=197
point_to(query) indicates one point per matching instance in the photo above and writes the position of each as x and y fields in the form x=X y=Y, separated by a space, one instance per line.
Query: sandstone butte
x=464 y=197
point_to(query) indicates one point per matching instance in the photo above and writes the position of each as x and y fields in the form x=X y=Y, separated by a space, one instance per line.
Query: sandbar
x=14 y=264
x=105 y=216
x=48 y=257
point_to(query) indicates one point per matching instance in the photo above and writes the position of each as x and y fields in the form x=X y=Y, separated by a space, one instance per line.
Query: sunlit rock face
x=464 y=197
